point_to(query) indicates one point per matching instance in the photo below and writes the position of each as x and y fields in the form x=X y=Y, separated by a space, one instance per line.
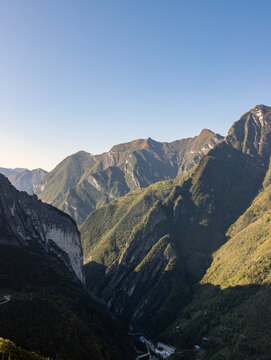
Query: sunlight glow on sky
x=85 y=75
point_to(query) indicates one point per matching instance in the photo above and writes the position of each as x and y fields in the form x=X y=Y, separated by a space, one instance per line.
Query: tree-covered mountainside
x=156 y=253
x=44 y=306
x=231 y=303
x=83 y=182
x=24 y=179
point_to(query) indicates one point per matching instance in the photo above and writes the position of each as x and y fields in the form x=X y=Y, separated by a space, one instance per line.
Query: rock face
x=149 y=248
x=24 y=179
x=26 y=221
x=83 y=182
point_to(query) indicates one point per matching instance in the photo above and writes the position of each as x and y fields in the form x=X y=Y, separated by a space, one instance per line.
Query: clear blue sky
x=85 y=75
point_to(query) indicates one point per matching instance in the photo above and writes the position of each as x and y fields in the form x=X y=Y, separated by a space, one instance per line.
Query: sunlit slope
x=106 y=231
x=65 y=176
x=246 y=258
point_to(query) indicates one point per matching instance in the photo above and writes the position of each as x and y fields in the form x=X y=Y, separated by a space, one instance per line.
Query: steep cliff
x=27 y=221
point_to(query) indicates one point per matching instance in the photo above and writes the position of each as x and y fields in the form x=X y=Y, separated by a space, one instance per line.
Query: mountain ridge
x=83 y=182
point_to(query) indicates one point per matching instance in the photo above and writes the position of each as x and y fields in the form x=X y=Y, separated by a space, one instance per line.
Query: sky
x=85 y=75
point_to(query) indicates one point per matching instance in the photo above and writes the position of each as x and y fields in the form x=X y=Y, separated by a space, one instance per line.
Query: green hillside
x=66 y=175
x=105 y=232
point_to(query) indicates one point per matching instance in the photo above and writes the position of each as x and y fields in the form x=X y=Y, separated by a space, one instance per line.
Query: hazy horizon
x=106 y=150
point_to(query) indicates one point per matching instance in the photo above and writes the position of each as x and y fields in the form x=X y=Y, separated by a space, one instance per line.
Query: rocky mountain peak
x=261 y=114
x=251 y=134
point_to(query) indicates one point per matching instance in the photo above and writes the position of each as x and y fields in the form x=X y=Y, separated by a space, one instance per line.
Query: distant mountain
x=44 y=306
x=163 y=258
x=7 y=172
x=83 y=182
x=24 y=179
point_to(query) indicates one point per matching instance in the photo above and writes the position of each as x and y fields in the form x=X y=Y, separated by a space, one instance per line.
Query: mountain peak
x=252 y=132
x=134 y=145
x=82 y=153
x=261 y=107
x=206 y=132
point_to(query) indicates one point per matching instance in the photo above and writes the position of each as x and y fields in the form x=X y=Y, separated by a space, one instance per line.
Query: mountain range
x=173 y=243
